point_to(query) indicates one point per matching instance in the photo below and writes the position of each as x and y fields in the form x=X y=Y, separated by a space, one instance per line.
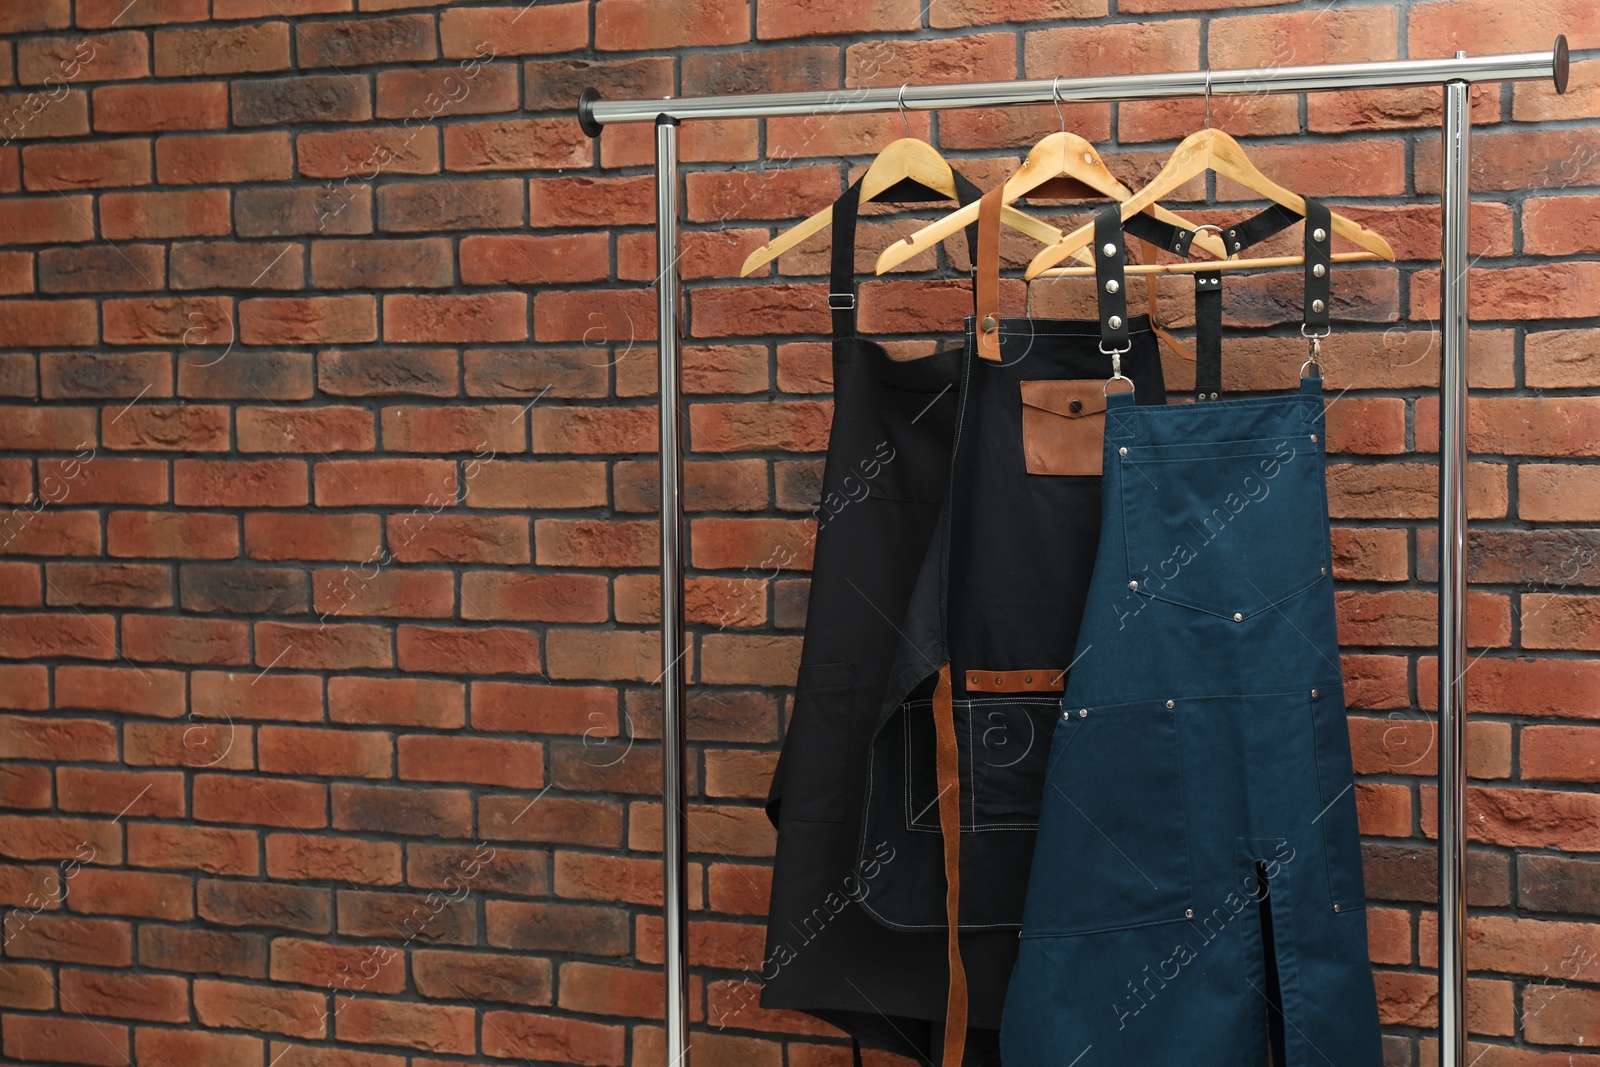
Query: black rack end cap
x=586 y=101
x=1563 y=63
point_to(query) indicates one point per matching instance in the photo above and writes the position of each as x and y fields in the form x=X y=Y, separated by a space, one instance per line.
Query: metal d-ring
x=1116 y=367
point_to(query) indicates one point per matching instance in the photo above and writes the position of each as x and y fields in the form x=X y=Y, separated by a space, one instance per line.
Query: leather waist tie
x=948 y=768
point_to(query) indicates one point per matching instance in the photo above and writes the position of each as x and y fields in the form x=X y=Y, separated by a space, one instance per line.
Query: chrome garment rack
x=1455 y=75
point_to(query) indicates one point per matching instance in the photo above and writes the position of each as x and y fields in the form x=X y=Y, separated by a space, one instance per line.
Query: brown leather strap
x=948 y=765
x=1177 y=346
x=987 y=284
x=1040 y=681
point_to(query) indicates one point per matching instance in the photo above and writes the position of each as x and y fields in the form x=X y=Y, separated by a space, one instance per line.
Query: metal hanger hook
x=900 y=100
x=1208 y=99
x=1055 y=97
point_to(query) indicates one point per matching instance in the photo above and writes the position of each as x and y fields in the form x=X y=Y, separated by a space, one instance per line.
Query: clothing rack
x=1454 y=75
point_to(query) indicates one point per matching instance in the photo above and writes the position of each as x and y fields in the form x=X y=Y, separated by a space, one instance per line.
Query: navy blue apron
x=1196 y=889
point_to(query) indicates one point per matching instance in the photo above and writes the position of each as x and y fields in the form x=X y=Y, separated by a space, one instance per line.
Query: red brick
x=560 y=203
x=100 y=14
x=36 y=220
x=342 y=646
x=192 y=848
x=145 y=108
x=484 y=761
x=534 y=597
x=478 y=317
x=150 y=997
x=779 y=193
x=195 y=1046
x=358 y=42
x=1482 y=27
x=125 y=585
x=24 y=789
x=735 y=310
x=1410 y=491
x=298 y=1013
x=471 y=89
x=53 y=429
x=223 y=50
x=319 y=430
x=74 y=533
x=56 y=1039
x=454 y=650
x=55 y=112
x=1538 y=101
x=370 y=264
x=1554 y=291
x=223 y=157
x=1549 y=493
x=432 y=1028
x=522 y=259
x=226 y=264
x=147 y=794
x=397 y=702
x=53 y=635
x=478 y=976
x=1560 y=753
x=308 y=320
x=140 y=894
x=408 y=593
x=313 y=537
x=429 y=482
x=231 y=483
x=237 y=798
x=1528 y=159
x=225 y=745
x=87 y=57
x=320 y=753
x=169 y=535
x=466 y=204
x=186 y=213
x=831 y=17
x=58 y=739
x=951 y=13
x=410 y=811
x=589 y=543
x=24 y=687
x=53 y=322
x=544 y=709
x=516 y=144
x=1560 y=621
x=178 y=427
x=358 y=968
x=460 y=539
x=380 y=372
x=102 y=942
x=364 y=154
x=255 y=695
x=250 y=9
x=41 y=15
x=195 y=322
x=102 y=374
x=184 y=639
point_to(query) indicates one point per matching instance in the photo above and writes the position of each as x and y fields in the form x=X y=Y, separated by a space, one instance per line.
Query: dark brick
x=387 y=372
x=427 y=917
x=565 y=372
x=761 y=70
x=237 y=265
x=1558 y=884
x=1404 y=872
x=592 y=930
x=479 y=976
x=248 y=374
x=286 y=907
x=311 y=209
x=507 y=870
x=375 y=264
x=357 y=42
x=492 y=203
x=36 y=114
x=440 y=91
x=119 y=585
x=554 y=84
x=1552 y=559
x=416 y=812
x=311 y=98
x=244 y=590
x=101 y=267
x=789 y=601
x=799 y=484
x=168 y=948
x=17 y=375
x=105 y=374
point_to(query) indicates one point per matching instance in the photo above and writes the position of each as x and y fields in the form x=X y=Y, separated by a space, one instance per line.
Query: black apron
x=885 y=475
x=965 y=722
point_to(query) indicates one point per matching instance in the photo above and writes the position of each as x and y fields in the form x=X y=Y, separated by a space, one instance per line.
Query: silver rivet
x=1313 y=694
x=1172 y=703
x=1313 y=437
x=1176 y=245
x=1317 y=305
x=1112 y=286
x=1336 y=907
x=1108 y=249
x=1188 y=913
x=1066 y=714
x=1115 y=322
x=1123 y=451
x=1319 y=270
x=1319 y=234
x=1232 y=233
x=1237 y=246
x=1238 y=617
x=1213 y=396
x=1083 y=713
x=1133 y=585
x=1324 y=572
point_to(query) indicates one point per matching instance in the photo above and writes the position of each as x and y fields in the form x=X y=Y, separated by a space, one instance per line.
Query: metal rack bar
x=1455 y=75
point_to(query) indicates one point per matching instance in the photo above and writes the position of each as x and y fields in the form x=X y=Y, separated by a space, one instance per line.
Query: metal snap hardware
x=1313 y=437
x=1065 y=714
x=1083 y=713
x=1188 y=913
x=1213 y=396
x=1319 y=234
x=998 y=680
x=1133 y=585
x=1075 y=406
x=973 y=680
x=1324 y=572
x=1233 y=233
x=1028 y=680
x=1123 y=451
x=1319 y=270
x=1112 y=286
x=989 y=324
x=1115 y=322
x=1108 y=249
x=1313 y=694
x=1238 y=617
x=1336 y=907
x=1317 y=305
x=1172 y=703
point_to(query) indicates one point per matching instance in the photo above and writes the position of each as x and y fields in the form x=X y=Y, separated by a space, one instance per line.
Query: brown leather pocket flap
x=1063 y=425
x=1070 y=399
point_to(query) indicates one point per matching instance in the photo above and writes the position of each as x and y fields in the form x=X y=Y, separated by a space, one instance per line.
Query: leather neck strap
x=842 y=278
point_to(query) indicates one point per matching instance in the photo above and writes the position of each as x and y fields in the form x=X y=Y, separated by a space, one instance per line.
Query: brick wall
x=326 y=564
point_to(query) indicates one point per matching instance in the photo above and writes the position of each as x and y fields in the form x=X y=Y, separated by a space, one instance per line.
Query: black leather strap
x=1208 y=335
x=1109 y=278
x=1319 y=266
x=842 y=277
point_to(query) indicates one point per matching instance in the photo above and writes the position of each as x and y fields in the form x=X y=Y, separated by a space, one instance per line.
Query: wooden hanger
x=908 y=159
x=1212 y=149
x=1052 y=165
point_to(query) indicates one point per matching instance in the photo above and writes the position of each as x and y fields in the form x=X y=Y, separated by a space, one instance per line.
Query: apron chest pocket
x=1063 y=426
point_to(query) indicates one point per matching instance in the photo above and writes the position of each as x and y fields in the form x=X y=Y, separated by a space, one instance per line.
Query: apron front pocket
x=1119 y=842
x=1004 y=744
x=1063 y=426
x=1228 y=528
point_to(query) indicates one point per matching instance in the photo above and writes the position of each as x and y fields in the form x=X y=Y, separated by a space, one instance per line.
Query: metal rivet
x=1232 y=233
x=1176 y=245
x=1324 y=572
x=1028 y=680
x=1213 y=396
x=1319 y=270
x=1317 y=305
x=974 y=680
x=1172 y=703
x=1238 y=617
x=1066 y=714
x=1109 y=249
x=1336 y=907
x=1133 y=585
x=1123 y=451
x=1313 y=694
x=1083 y=713
x=1237 y=246
x=1115 y=322
x=1112 y=286
x=989 y=323
x=1313 y=437
x=1188 y=913
x=1075 y=406
x=1319 y=234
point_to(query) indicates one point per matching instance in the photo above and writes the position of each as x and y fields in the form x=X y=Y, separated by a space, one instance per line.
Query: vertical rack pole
x=1455 y=200
x=674 y=798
